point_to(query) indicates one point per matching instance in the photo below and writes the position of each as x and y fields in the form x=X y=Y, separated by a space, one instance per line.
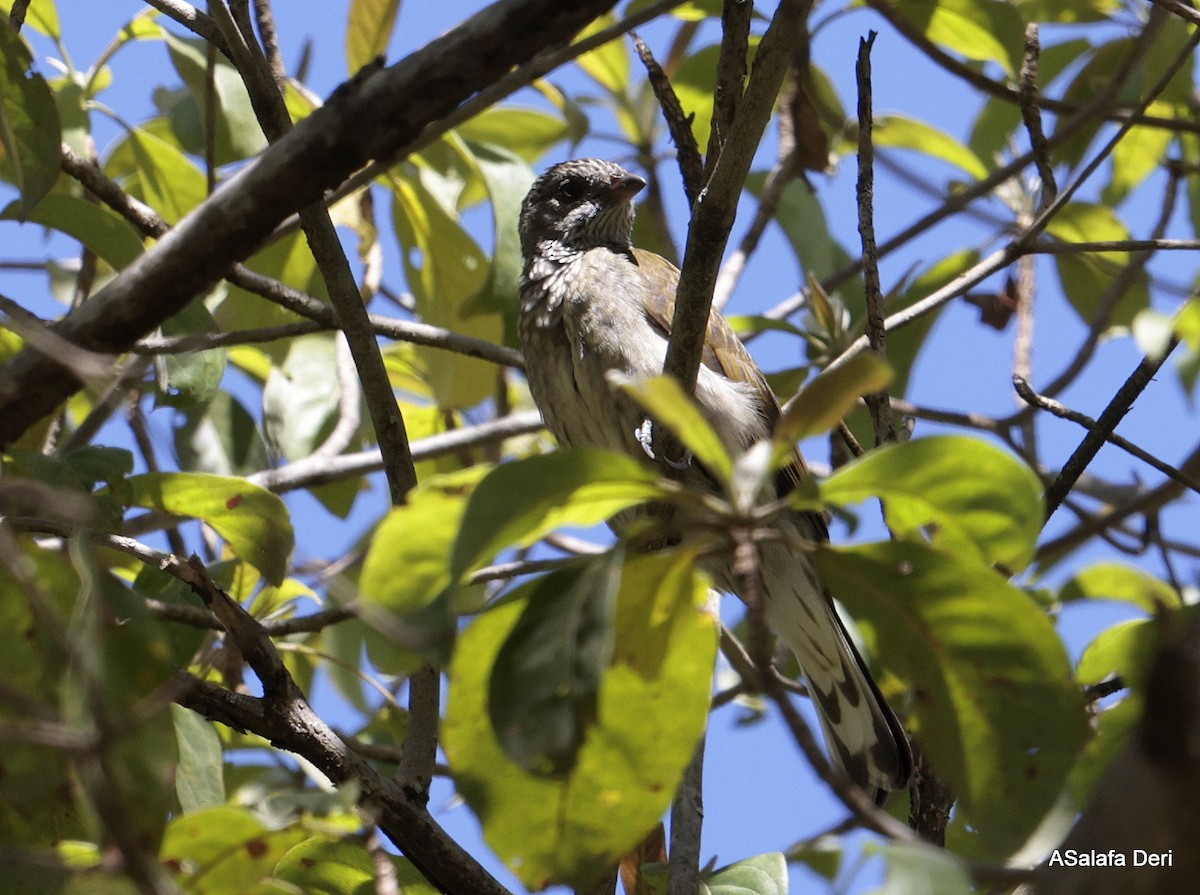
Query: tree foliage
x=210 y=380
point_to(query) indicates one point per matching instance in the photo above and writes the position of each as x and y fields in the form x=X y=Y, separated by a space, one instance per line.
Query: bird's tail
x=863 y=733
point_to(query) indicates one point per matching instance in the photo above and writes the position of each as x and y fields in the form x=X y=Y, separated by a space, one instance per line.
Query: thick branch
x=713 y=214
x=375 y=117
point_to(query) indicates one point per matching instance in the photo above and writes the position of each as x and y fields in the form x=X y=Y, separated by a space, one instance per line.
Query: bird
x=594 y=310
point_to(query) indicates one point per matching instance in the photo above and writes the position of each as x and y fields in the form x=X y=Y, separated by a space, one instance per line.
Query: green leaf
x=1117 y=581
x=542 y=695
x=520 y=502
x=507 y=178
x=828 y=398
x=993 y=699
x=220 y=437
x=918 y=868
x=253 y=521
x=804 y=223
x=225 y=849
x=152 y=167
x=238 y=134
x=408 y=563
x=905 y=344
x=41 y=15
x=369 y=30
x=651 y=709
x=446 y=271
x=822 y=855
x=1066 y=12
x=1126 y=648
x=200 y=775
x=29 y=128
x=1141 y=152
x=608 y=64
x=761 y=875
x=530 y=133
x=982 y=30
x=300 y=399
x=1086 y=277
x=320 y=866
x=694 y=82
x=899 y=132
x=666 y=402
x=190 y=377
x=99 y=228
x=980 y=501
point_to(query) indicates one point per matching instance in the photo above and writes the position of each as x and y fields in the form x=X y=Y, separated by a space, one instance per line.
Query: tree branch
x=372 y=118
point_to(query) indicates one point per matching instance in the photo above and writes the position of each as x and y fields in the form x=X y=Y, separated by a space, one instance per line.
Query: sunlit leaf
x=965 y=494
x=520 y=502
x=982 y=30
x=157 y=171
x=1140 y=153
x=29 y=129
x=1085 y=278
x=1117 y=581
x=320 y=866
x=760 y=875
x=993 y=700
x=446 y=270
x=252 y=520
x=608 y=64
x=527 y=132
x=652 y=706
x=41 y=15
x=828 y=398
x=899 y=132
x=369 y=30
x=100 y=229
x=918 y=868
x=225 y=849
x=666 y=403
x=408 y=563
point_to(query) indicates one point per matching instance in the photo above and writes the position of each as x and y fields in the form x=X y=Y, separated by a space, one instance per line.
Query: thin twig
x=1032 y=116
x=877 y=402
x=1100 y=432
x=679 y=123
x=1049 y=404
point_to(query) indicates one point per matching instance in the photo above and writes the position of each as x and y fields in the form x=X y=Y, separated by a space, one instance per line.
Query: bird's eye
x=570 y=190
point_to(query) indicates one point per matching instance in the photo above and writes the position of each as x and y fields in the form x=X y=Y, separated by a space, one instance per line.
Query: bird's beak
x=624 y=187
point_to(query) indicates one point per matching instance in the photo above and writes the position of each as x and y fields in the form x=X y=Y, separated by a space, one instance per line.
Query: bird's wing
x=724 y=352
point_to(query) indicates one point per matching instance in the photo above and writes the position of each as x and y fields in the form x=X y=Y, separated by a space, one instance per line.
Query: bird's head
x=580 y=204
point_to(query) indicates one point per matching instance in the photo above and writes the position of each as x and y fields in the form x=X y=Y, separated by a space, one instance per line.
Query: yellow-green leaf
x=667 y=404
x=1117 y=581
x=651 y=708
x=608 y=64
x=369 y=30
x=408 y=563
x=29 y=130
x=967 y=495
x=824 y=401
x=993 y=699
x=909 y=133
x=253 y=521
x=982 y=30
x=520 y=502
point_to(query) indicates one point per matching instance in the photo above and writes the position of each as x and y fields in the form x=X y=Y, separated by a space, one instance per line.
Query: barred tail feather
x=863 y=734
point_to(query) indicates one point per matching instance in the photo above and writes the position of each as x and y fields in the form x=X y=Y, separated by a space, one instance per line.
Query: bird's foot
x=645 y=437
